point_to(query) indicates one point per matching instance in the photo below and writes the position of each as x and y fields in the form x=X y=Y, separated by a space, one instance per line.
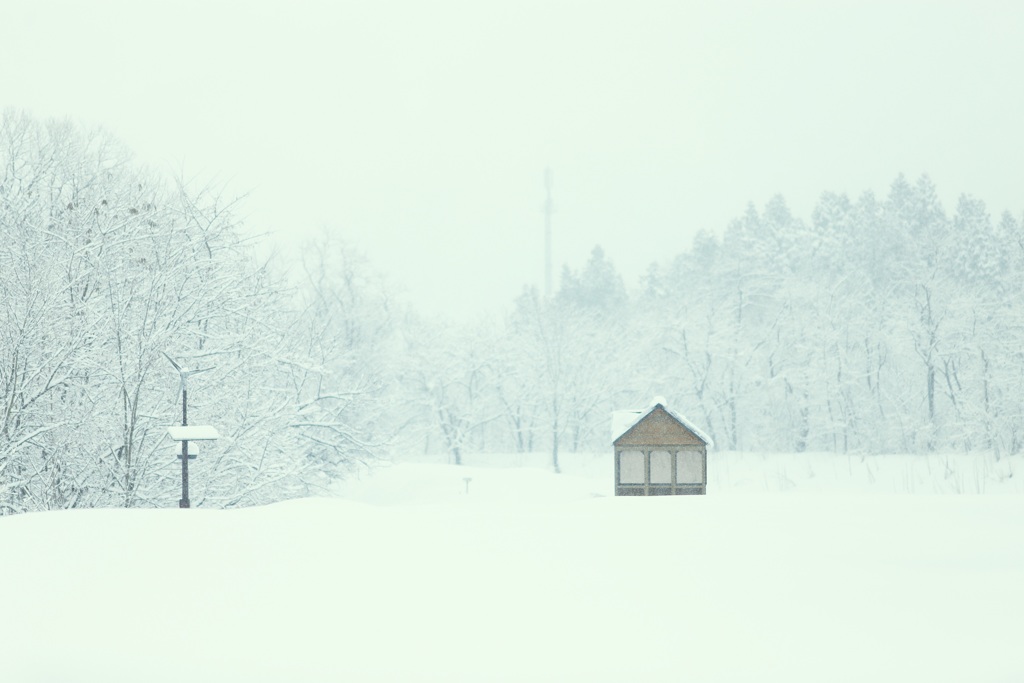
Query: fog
x=420 y=131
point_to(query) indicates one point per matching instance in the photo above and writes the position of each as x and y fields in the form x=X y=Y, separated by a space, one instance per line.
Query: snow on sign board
x=196 y=433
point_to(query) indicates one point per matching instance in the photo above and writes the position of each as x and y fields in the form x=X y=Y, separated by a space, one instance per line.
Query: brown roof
x=659 y=426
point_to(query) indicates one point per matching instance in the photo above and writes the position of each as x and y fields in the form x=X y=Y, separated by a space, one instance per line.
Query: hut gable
x=658 y=426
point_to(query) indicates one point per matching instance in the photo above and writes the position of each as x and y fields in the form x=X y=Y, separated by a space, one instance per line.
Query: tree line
x=879 y=325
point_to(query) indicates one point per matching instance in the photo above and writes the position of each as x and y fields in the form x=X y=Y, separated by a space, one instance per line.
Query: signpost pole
x=184 y=502
x=184 y=433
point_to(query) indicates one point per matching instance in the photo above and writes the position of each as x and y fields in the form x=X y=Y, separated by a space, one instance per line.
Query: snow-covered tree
x=104 y=268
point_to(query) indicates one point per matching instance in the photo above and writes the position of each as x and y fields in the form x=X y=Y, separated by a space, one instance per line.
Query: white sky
x=420 y=130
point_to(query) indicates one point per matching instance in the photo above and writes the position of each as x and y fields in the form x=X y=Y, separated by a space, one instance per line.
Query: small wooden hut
x=658 y=453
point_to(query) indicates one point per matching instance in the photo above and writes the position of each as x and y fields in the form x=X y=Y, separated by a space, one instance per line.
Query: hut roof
x=625 y=420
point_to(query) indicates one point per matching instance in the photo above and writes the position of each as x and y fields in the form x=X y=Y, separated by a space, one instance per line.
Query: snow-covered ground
x=534 y=576
x=734 y=472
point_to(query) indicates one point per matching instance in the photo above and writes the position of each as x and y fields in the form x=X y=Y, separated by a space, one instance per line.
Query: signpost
x=186 y=433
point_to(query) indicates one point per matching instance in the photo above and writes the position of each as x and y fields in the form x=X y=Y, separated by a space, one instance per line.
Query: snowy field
x=732 y=472
x=531 y=576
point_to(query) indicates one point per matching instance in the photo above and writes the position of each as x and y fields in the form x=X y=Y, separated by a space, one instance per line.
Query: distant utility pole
x=549 y=208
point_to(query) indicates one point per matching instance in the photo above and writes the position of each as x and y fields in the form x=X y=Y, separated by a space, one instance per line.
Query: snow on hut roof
x=624 y=420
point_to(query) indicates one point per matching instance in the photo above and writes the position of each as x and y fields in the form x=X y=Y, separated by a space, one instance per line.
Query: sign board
x=193 y=450
x=193 y=433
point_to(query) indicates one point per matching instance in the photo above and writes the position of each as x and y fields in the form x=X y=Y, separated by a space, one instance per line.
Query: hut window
x=631 y=467
x=689 y=467
x=661 y=467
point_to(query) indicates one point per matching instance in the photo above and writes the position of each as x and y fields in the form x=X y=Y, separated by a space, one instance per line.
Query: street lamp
x=185 y=433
